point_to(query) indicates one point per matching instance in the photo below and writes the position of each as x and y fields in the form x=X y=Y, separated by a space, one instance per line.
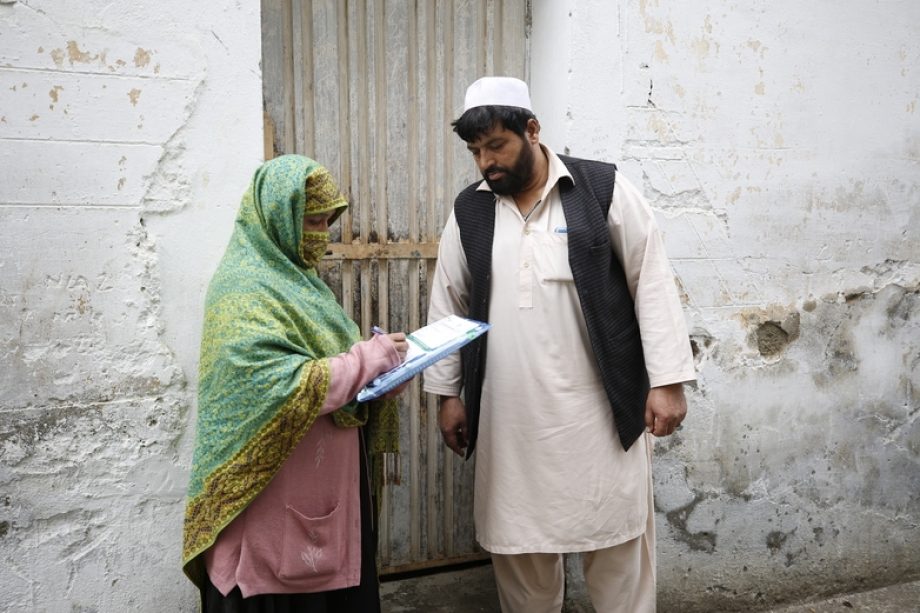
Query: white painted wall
x=128 y=132
x=779 y=143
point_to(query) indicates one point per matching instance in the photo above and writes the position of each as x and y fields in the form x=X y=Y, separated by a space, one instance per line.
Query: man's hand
x=665 y=409
x=452 y=421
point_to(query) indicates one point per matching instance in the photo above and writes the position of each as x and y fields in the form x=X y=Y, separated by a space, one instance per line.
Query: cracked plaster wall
x=128 y=132
x=779 y=144
x=781 y=157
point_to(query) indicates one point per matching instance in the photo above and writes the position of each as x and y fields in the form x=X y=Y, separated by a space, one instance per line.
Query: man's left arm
x=638 y=245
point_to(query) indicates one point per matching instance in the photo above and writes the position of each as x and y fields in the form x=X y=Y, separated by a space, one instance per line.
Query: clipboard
x=427 y=345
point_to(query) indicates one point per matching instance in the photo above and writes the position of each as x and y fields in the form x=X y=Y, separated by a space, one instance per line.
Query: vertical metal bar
x=349 y=268
x=412 y=135
x=288 y=87
x=412 y=50
x=378 y=29
x=447 y=144
x=412 y=131
x=299 y=53
x=364 y=195
x=432 y=153
x=380 y=117
x=345 y=136
x=447 y=156
x=415 y=511
x=307 y=121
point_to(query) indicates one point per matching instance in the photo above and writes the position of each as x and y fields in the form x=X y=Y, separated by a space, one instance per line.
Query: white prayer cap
x=498 y=91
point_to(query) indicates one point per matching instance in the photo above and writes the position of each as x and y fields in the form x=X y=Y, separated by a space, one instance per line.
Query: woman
x=279 y=513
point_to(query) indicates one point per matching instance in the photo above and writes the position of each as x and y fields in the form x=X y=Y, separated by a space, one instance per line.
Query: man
x=587 y=356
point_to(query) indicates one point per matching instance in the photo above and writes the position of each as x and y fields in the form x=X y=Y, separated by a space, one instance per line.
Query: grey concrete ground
x=473 y=591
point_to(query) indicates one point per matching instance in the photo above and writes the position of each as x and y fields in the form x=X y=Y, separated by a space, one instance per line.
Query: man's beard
x=516 y=178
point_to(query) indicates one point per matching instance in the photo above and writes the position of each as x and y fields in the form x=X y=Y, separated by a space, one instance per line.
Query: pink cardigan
x=302 y=533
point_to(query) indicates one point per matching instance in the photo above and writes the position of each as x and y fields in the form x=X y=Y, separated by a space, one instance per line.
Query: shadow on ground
x=472 y=590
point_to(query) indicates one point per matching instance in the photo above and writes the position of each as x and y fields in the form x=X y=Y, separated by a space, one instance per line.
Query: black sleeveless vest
x=599 y=281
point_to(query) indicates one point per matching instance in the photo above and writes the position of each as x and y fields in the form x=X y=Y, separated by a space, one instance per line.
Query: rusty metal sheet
x=369 y=88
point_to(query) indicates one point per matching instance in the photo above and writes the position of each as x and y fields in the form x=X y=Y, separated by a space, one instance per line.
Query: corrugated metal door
x=369 y=88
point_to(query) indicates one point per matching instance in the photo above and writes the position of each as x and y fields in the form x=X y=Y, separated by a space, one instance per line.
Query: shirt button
x=527 y=231
x=526 y=264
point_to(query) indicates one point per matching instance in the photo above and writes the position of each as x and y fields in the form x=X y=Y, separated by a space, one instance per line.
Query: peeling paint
x=702 y=344
x=771 y=329
x=733 y=197
x=76 y=56
x=54 y=94
x=141 y=58
x=771 y=338
x=701 y=47
x=797 y=468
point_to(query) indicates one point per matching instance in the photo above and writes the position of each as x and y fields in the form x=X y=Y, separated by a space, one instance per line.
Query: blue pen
x=377 y=330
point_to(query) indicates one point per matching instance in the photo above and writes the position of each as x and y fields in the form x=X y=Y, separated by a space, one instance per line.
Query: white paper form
x=427 y=345
x=438 y=334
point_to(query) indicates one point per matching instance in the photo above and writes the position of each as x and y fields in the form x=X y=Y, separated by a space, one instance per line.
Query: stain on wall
x=104 y=145
x=788 y=192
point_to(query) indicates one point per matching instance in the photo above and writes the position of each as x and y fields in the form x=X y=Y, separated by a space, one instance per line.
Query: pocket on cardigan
x=311 y=547
x=551 y=258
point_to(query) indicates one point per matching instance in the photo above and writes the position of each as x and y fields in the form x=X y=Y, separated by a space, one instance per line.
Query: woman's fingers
x=402 y=345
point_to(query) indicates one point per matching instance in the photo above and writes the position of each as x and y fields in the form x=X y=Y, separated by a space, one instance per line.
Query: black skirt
x=362 y=598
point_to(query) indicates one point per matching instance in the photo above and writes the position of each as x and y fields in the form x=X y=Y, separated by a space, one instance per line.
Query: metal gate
x=368 y=88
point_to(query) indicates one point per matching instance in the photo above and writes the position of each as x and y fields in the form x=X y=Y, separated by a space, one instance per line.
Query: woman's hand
x=402 y=345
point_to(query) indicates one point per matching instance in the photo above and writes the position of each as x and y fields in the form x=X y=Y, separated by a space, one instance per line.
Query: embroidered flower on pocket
x=311 y=557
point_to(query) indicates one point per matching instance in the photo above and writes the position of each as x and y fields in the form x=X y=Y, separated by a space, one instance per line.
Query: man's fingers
x=665 y=427
x=649 y=419
x=665 y=409
x=452 y=422
x=455 y=439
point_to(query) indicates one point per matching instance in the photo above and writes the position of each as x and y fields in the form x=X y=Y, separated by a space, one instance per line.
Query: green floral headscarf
x=270 y=326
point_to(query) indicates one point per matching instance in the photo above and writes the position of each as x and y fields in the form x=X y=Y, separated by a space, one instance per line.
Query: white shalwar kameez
x=551 y=474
